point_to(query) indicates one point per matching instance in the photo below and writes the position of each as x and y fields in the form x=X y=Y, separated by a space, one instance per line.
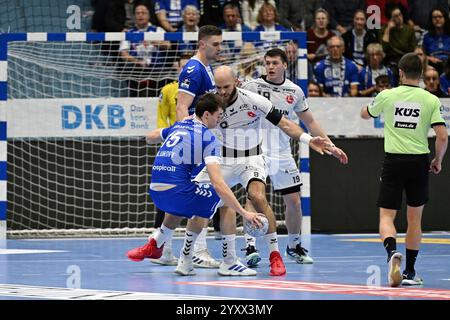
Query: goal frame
x=302 y=79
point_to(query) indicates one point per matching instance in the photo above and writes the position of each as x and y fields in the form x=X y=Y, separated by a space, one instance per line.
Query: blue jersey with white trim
x=336 y=78
x=187 y=147
x=196 y=79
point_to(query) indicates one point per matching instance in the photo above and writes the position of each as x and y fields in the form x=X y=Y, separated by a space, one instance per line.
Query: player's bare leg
x=257 y=194
x=293 y=216
x=413 y=239
x=153 y=249
x=252 y=255
x=231 y=266
x=194 y=227
x=388 y=235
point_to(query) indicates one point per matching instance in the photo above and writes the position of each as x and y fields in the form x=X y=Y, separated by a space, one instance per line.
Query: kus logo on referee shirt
x=406 y=115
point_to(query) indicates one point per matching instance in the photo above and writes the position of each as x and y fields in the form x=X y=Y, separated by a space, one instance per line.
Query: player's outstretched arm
x=154 y=137
x=318 y=144
x=316 y=129
x=227 y=195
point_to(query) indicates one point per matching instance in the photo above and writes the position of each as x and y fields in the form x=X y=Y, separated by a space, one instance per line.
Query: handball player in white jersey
x=289 y=99
x=243 y=162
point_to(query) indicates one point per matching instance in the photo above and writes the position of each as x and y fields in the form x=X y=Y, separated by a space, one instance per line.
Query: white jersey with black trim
x=288 y=98
x=240 y=126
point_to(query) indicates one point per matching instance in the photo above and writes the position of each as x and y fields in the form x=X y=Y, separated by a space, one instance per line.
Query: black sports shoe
x=410 y=279
x=252 y=256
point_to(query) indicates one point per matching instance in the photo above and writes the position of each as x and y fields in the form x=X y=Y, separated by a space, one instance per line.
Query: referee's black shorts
x=404 y=172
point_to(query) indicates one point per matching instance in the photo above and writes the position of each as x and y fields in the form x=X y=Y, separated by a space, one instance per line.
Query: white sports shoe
x=203 y=259
x=299 y=254
x=235 y=269
x=394 y=275
x=167 y=258
x=185 y=267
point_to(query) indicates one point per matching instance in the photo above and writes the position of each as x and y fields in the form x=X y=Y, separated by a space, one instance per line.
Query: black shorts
x=404 y=172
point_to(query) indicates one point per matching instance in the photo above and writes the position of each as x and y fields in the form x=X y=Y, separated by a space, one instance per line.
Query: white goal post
x=73 y=161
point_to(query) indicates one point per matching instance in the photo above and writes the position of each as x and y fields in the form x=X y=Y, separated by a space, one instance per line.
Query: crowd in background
x=348 y=53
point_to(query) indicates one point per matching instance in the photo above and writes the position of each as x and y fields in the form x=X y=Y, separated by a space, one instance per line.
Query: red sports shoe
x=149 y=250
x=277 y=267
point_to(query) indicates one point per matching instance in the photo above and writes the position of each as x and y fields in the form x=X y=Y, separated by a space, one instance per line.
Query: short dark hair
x=185 y=56
x=207 y=31
x=411 y=65
x=383 y=79
x=277 y=52
x=210 y=102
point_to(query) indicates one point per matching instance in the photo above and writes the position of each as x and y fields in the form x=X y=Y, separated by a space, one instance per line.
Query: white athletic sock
x=249 y=240
x=293 y=240
x=200 y=244
x=189 y=242
x=272 y=241
x=229 y=248
x=162 y=235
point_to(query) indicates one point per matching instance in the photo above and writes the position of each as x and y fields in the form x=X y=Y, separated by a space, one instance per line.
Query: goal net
x=77 y=112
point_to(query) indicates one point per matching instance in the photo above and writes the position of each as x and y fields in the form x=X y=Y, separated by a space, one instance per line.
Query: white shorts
x=284 y=174
x=238 y=171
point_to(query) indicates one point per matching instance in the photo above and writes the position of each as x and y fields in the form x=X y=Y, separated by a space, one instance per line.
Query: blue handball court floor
x=346 y=267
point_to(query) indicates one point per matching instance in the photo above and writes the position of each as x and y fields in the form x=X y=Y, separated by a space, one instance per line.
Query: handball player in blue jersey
x=188 y=144
x=196 y=79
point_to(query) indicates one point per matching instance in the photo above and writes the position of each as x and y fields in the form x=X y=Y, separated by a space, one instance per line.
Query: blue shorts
x=199 y=200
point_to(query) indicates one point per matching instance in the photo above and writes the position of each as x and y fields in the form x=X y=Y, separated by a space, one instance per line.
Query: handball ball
x=253 y=230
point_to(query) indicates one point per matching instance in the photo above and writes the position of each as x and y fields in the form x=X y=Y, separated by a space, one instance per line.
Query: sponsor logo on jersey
x=185 y=83
x=251 y=114
x=290 y=99
x=406 y=115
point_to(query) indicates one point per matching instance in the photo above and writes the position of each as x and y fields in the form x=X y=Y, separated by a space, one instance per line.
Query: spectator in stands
x=249 y=67
x=191 y=19
x=318 y=36
x=232 y=19
x=385 y=6
x=374 y=69
x=129 y=11
x=341 y=13
x=437 y=41
x=144 y=60
x=314 y=89
x=292 y=55
x=250 y=11
x=445 y=78
x=382 y=82
x=397 y=37
x=419 y=11
x=432 y=83
x=268 y=19
x=420 y=51
x=169 y=12
x=298 y=15
x=337 y=75
x=357 y=39
x=211 y=11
